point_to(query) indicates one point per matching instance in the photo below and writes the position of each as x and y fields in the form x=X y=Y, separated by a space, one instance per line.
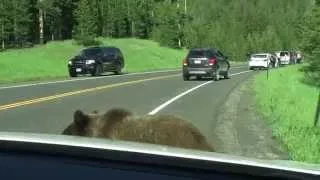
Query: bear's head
x=95 y=124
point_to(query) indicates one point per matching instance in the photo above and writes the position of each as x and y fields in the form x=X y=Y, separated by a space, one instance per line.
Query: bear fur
x=120 y=124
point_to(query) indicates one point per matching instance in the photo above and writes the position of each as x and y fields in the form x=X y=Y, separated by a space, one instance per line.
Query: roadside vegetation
x=235 y=27
x=50 y=61
x=289 y=105
x=289 y=99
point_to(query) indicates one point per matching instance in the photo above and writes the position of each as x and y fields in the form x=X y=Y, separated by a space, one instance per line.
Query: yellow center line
x=57 y=96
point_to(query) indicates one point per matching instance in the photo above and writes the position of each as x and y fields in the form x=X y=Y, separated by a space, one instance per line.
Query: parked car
x=206 y=62
x=260 y=61
x=284 y=57
x=96 y=60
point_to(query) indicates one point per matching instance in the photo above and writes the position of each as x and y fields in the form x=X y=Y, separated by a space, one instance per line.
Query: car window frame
x=120 y=55
x=219 y=53
x=106 y=51
x=259 y=56
x=214 y=53
x=85 y=51
x=195 y=50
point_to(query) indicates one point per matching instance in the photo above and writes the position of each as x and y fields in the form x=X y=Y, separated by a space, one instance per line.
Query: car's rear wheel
x=186 y=78
x=97 y=71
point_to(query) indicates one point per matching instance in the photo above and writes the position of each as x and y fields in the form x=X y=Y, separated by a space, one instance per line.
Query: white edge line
x=92 y=78
x=164 y=105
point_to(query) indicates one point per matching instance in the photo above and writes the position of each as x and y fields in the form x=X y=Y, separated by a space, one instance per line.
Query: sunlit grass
x=290 y=106
x=50 y=61
x=146 y=55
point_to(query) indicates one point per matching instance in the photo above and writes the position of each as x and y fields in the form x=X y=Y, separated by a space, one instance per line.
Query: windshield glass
x=197 y=54
x=177 y=73
x=90 y=52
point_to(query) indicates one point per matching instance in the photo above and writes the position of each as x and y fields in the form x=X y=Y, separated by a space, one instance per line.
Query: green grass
x=50 y=61
x=289 y=106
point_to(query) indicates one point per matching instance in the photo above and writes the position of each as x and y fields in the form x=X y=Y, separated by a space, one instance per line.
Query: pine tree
x=52 y=18
x=311 y=47
x=20 y=19
x=166 y=29
x=5 y=20
x=87 y=21
x=225 y=24
x=144 y=14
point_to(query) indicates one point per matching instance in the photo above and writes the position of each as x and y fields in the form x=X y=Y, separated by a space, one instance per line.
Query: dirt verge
x=240 y=130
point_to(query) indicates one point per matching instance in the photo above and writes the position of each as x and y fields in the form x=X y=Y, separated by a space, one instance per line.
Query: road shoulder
x=241 y=130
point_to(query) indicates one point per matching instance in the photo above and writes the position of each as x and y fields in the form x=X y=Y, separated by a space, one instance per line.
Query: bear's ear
x=80 y=119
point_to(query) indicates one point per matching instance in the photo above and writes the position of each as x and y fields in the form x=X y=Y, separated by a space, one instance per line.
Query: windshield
x=90 y=52
x=148 y=83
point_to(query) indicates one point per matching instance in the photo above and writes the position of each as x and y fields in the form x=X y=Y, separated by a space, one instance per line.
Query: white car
x=284 y=57
x=260 y=61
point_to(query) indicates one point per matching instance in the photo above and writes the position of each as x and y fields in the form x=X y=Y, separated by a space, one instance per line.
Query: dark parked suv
x=96 y=60
x=206 y=62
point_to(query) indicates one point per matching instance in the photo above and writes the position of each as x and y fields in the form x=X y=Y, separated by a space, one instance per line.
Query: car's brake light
x=212 y=61
x=185 y=62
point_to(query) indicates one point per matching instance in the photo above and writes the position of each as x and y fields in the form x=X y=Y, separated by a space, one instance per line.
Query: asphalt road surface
x=48 y=107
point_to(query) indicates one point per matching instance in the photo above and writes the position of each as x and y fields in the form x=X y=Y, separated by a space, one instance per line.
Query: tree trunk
x=41 y=25
x=130 y=18
x=317 y=117
x=15 y=30
x=179 y=26
x=133 y=33
x=2 y=32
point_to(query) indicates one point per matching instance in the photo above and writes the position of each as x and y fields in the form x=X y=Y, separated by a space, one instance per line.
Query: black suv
x=206 y=62
x=96 y=60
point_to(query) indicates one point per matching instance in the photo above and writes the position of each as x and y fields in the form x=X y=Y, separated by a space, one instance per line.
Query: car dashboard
x=63 y=157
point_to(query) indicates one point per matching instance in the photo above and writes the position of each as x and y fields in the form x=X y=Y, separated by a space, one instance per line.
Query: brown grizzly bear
x=122 y=125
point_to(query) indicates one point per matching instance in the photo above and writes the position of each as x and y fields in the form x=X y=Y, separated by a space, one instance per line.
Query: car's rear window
x=284 y=53
x=197 y=54
x=259 y=56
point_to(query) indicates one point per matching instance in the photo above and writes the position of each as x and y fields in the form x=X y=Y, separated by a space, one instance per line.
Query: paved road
x=48 y=107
